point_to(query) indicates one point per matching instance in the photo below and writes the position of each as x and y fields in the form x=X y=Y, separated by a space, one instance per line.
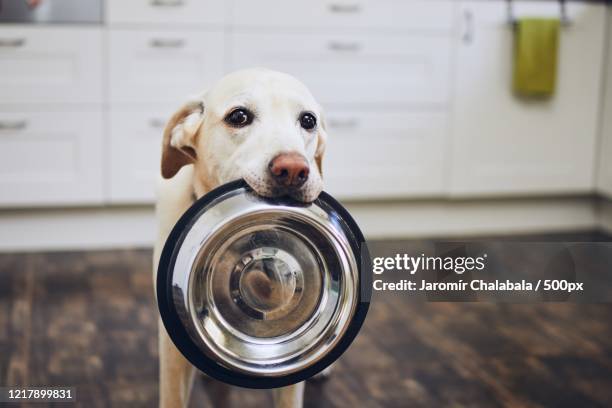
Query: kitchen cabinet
x=417 y=96
x=503 y=145
x=135 y=151
x=51 y=158
x=165 y=12
x=163 y=66
x=385 y=154
x=50 y=64
x=151 y=74
x=355 y=69
x=340 y=14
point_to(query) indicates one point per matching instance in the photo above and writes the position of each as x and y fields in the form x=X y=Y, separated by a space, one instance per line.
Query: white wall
x=604 y=179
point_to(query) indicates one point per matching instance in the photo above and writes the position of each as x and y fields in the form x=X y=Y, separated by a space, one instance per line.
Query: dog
x=260 y=125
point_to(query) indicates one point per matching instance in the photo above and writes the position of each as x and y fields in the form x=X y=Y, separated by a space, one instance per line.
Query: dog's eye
x=308 y=121
x=239 y=117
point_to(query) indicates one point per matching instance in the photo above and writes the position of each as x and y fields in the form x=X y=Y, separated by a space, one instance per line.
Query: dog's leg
x=175 y=374
x=289 y=397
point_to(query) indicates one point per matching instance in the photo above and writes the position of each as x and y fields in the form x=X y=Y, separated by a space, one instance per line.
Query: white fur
x=224 y=154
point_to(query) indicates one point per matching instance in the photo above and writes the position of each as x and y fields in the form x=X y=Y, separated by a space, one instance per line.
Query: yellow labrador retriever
x=260 y=125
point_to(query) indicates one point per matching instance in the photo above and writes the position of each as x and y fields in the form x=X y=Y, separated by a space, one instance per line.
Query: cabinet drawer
x=50 y=64
x=135 y=152
x=50 y=158
x=386 y=14
x=165 y=11
x=385 y=154
x=163 y=66
x=355 y=69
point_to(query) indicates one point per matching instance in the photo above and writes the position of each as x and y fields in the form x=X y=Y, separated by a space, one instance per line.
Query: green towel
x=536 y=41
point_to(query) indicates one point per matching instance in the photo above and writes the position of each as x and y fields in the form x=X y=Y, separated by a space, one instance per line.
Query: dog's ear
x=321 y=143
x=178 y=145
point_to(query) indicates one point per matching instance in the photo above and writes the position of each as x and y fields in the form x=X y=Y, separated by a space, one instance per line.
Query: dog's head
x=260 y=125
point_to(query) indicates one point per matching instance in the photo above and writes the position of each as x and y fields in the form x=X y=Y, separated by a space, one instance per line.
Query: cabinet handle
x=157 y=123
x=167 y=43
x=12 y=42
x=350 y=123
x=344 y=8
x=468 y=27
x=344 y=46
x=13 y=124
x=167 y=3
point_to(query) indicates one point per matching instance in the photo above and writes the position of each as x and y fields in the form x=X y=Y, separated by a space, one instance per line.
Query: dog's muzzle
x=261 y=292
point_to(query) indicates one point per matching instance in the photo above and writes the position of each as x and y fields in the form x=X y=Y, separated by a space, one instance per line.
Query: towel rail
x=564 y=18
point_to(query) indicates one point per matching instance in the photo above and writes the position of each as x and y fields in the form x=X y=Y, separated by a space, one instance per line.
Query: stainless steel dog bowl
x=263 y=292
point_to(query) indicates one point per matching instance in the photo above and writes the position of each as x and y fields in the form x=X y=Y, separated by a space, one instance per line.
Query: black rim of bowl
x=190 y=350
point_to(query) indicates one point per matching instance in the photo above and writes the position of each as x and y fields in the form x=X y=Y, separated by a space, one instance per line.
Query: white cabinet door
x=49 y=158
x=385 y=154
x=175 y=12
x=135 y=152
x=355 y=69
x=502 y=145
x=335 y=14
x=163 y=66
x=604 y=179
x=50 y=64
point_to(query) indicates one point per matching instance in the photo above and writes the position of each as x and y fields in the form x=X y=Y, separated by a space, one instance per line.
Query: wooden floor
x=88 y=320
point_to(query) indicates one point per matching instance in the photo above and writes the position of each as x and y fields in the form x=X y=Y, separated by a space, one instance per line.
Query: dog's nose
x=289 y=170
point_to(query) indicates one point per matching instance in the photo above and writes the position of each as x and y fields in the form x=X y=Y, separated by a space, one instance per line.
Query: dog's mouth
x=306 y=193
